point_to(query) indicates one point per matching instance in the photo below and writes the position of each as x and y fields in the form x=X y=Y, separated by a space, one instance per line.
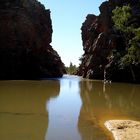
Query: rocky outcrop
x=100 y=39
x=25 y=37
x=124 y=129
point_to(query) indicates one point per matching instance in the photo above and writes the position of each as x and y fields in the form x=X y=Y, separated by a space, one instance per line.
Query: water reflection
x=23 y=114
x=123 y=97
x=102 y=102
x=64 y=111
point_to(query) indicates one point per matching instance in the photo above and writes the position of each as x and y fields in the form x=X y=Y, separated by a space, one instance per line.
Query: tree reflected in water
x=101 y=102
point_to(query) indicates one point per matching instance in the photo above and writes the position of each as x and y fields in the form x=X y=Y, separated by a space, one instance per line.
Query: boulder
x=124 y=129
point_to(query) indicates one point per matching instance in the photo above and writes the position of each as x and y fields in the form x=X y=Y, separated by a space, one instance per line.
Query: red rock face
x=25 y=37
x=100 y=39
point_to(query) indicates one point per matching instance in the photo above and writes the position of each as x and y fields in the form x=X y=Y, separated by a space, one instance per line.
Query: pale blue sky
x=67 y=17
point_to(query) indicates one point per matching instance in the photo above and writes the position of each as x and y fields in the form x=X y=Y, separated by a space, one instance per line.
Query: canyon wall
x=25 y=37
x=100 y=38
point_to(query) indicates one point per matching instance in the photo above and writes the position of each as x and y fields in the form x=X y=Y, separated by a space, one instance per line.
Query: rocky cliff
x=25 y=37
x=100 y=38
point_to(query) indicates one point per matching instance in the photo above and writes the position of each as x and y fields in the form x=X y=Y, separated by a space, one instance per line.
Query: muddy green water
x=69 y=108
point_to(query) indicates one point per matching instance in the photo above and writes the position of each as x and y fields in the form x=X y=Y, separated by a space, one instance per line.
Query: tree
x=121 y=16
x=71 y=69
x=131 y=34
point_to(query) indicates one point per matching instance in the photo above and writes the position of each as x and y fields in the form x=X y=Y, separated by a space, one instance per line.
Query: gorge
x=26 y=34
x=38 y=101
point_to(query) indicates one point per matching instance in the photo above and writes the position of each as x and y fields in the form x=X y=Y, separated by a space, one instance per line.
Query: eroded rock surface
x=124 y=129
x=100 y=39
x=25 y=37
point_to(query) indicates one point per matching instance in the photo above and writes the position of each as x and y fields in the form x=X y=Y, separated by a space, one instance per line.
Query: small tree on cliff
x=121 y=16
x=131 y=32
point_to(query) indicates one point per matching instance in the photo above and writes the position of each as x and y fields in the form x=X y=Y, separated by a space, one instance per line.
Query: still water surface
x=69 y=108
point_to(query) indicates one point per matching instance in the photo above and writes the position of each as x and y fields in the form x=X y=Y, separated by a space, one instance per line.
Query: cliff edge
x=102 y=43
x=25 y=37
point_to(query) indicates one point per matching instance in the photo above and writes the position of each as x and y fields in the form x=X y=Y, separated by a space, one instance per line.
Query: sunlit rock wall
x=100 y=39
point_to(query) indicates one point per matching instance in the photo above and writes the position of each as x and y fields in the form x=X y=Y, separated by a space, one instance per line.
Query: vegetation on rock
x=71 y=69
x=131 y=33
x=111 y=43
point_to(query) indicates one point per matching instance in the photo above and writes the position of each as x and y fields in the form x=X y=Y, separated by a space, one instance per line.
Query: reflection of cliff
x=23 y=113
x=102 y=102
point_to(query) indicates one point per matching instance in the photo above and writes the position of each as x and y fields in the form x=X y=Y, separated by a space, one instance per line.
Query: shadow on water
x=101 y=102
x=23 y=114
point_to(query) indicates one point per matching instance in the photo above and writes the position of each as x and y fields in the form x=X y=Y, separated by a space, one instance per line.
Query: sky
x=67 y=18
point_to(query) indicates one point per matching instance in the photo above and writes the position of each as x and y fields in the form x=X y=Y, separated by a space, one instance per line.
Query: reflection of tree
x=103 y=102
x=88 y=126
x=125 y=97
x=23 y=113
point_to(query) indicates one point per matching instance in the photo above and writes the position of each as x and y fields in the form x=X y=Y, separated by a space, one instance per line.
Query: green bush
x=131 y=34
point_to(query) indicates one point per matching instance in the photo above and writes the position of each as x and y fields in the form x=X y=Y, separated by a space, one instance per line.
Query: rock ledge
x=124 y=129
